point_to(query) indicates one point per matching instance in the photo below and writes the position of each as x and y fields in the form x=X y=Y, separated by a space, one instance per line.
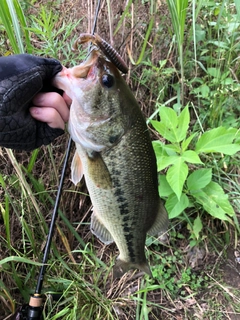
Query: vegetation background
x=184 y=70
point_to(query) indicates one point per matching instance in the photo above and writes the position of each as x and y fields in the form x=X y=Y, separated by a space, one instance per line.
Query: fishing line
x=33 y=311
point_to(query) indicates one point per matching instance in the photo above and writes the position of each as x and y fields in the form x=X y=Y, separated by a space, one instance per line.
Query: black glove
x=21 y=78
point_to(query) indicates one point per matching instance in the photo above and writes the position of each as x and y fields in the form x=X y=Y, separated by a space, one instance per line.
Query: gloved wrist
x=21 y=78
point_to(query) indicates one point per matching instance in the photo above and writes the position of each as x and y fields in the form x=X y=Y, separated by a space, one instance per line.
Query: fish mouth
x=94 y=67
x=88 y=69
x=86 y=74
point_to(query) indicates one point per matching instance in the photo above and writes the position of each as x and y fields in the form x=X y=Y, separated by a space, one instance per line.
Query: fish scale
x=115 y=154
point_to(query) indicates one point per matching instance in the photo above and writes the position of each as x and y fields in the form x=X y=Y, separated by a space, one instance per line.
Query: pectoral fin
x=161 y=222
x=98 y=171
x=99 y=230
x=76 y=169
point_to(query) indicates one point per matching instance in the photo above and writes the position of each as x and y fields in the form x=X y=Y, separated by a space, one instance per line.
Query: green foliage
x=166 y=275
x=178 y=10
x=139 y=60
x=218 y=140
x=215 y=84
x=15 y=25
x=186 y=180
x=55 y=40
x=44 y=27
x=208 y=58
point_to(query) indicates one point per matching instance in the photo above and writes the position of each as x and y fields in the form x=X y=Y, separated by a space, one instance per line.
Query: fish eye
x=107 y=80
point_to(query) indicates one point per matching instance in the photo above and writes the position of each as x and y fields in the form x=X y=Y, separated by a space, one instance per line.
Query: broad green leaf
x=218 y=140
x=214 y=72
x=205 y=90
x=197 y=227
x=214 y=190
x=237 y=139
x=214 y=201
x=233 y=131
x=164 y=188
x=227 y=81
x=191 y=157
x=176 y=206
x=165 y=161
x=200 y=34
x=172 y=149
x=224 y=75
x=186 y=142
x=216 y=11
x=219 y=44
x=158 y=148
x=199 y=179
x=183 y=124
x=168 y=116
x=172 y=127
x=232 y=26
x=176 y=176
x=164 y=130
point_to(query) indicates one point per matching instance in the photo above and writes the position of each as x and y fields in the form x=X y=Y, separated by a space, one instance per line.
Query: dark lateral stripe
x=129 y=240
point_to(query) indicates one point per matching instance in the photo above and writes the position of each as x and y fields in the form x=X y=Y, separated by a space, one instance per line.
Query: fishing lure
x=106 y=48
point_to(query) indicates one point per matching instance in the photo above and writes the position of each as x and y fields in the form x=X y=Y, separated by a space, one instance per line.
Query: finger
x=52 y=100
x=67 y=99
x=48 y=115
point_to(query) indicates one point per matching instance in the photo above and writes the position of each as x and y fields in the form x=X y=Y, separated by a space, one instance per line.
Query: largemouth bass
x=114 y=153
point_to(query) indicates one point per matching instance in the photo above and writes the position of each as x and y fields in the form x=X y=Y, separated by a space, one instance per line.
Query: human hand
x=51 y=108
x=22 y=77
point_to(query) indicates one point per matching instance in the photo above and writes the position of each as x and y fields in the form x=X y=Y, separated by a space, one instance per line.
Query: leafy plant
x=178 y=10
x=188 y=179
x=215 y=84
x=54 y=40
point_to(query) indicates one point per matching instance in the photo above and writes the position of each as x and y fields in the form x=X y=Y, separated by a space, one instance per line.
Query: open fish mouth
x=86 y=70
x=89 y=67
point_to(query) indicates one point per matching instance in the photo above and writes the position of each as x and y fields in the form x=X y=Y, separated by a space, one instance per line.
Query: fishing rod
x=33 y=310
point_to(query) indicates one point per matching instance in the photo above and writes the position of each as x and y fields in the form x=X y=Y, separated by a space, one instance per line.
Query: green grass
x=198 y=43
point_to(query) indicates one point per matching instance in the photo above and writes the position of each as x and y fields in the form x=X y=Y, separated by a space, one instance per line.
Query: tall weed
x=178 y=11
x=13 y=19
